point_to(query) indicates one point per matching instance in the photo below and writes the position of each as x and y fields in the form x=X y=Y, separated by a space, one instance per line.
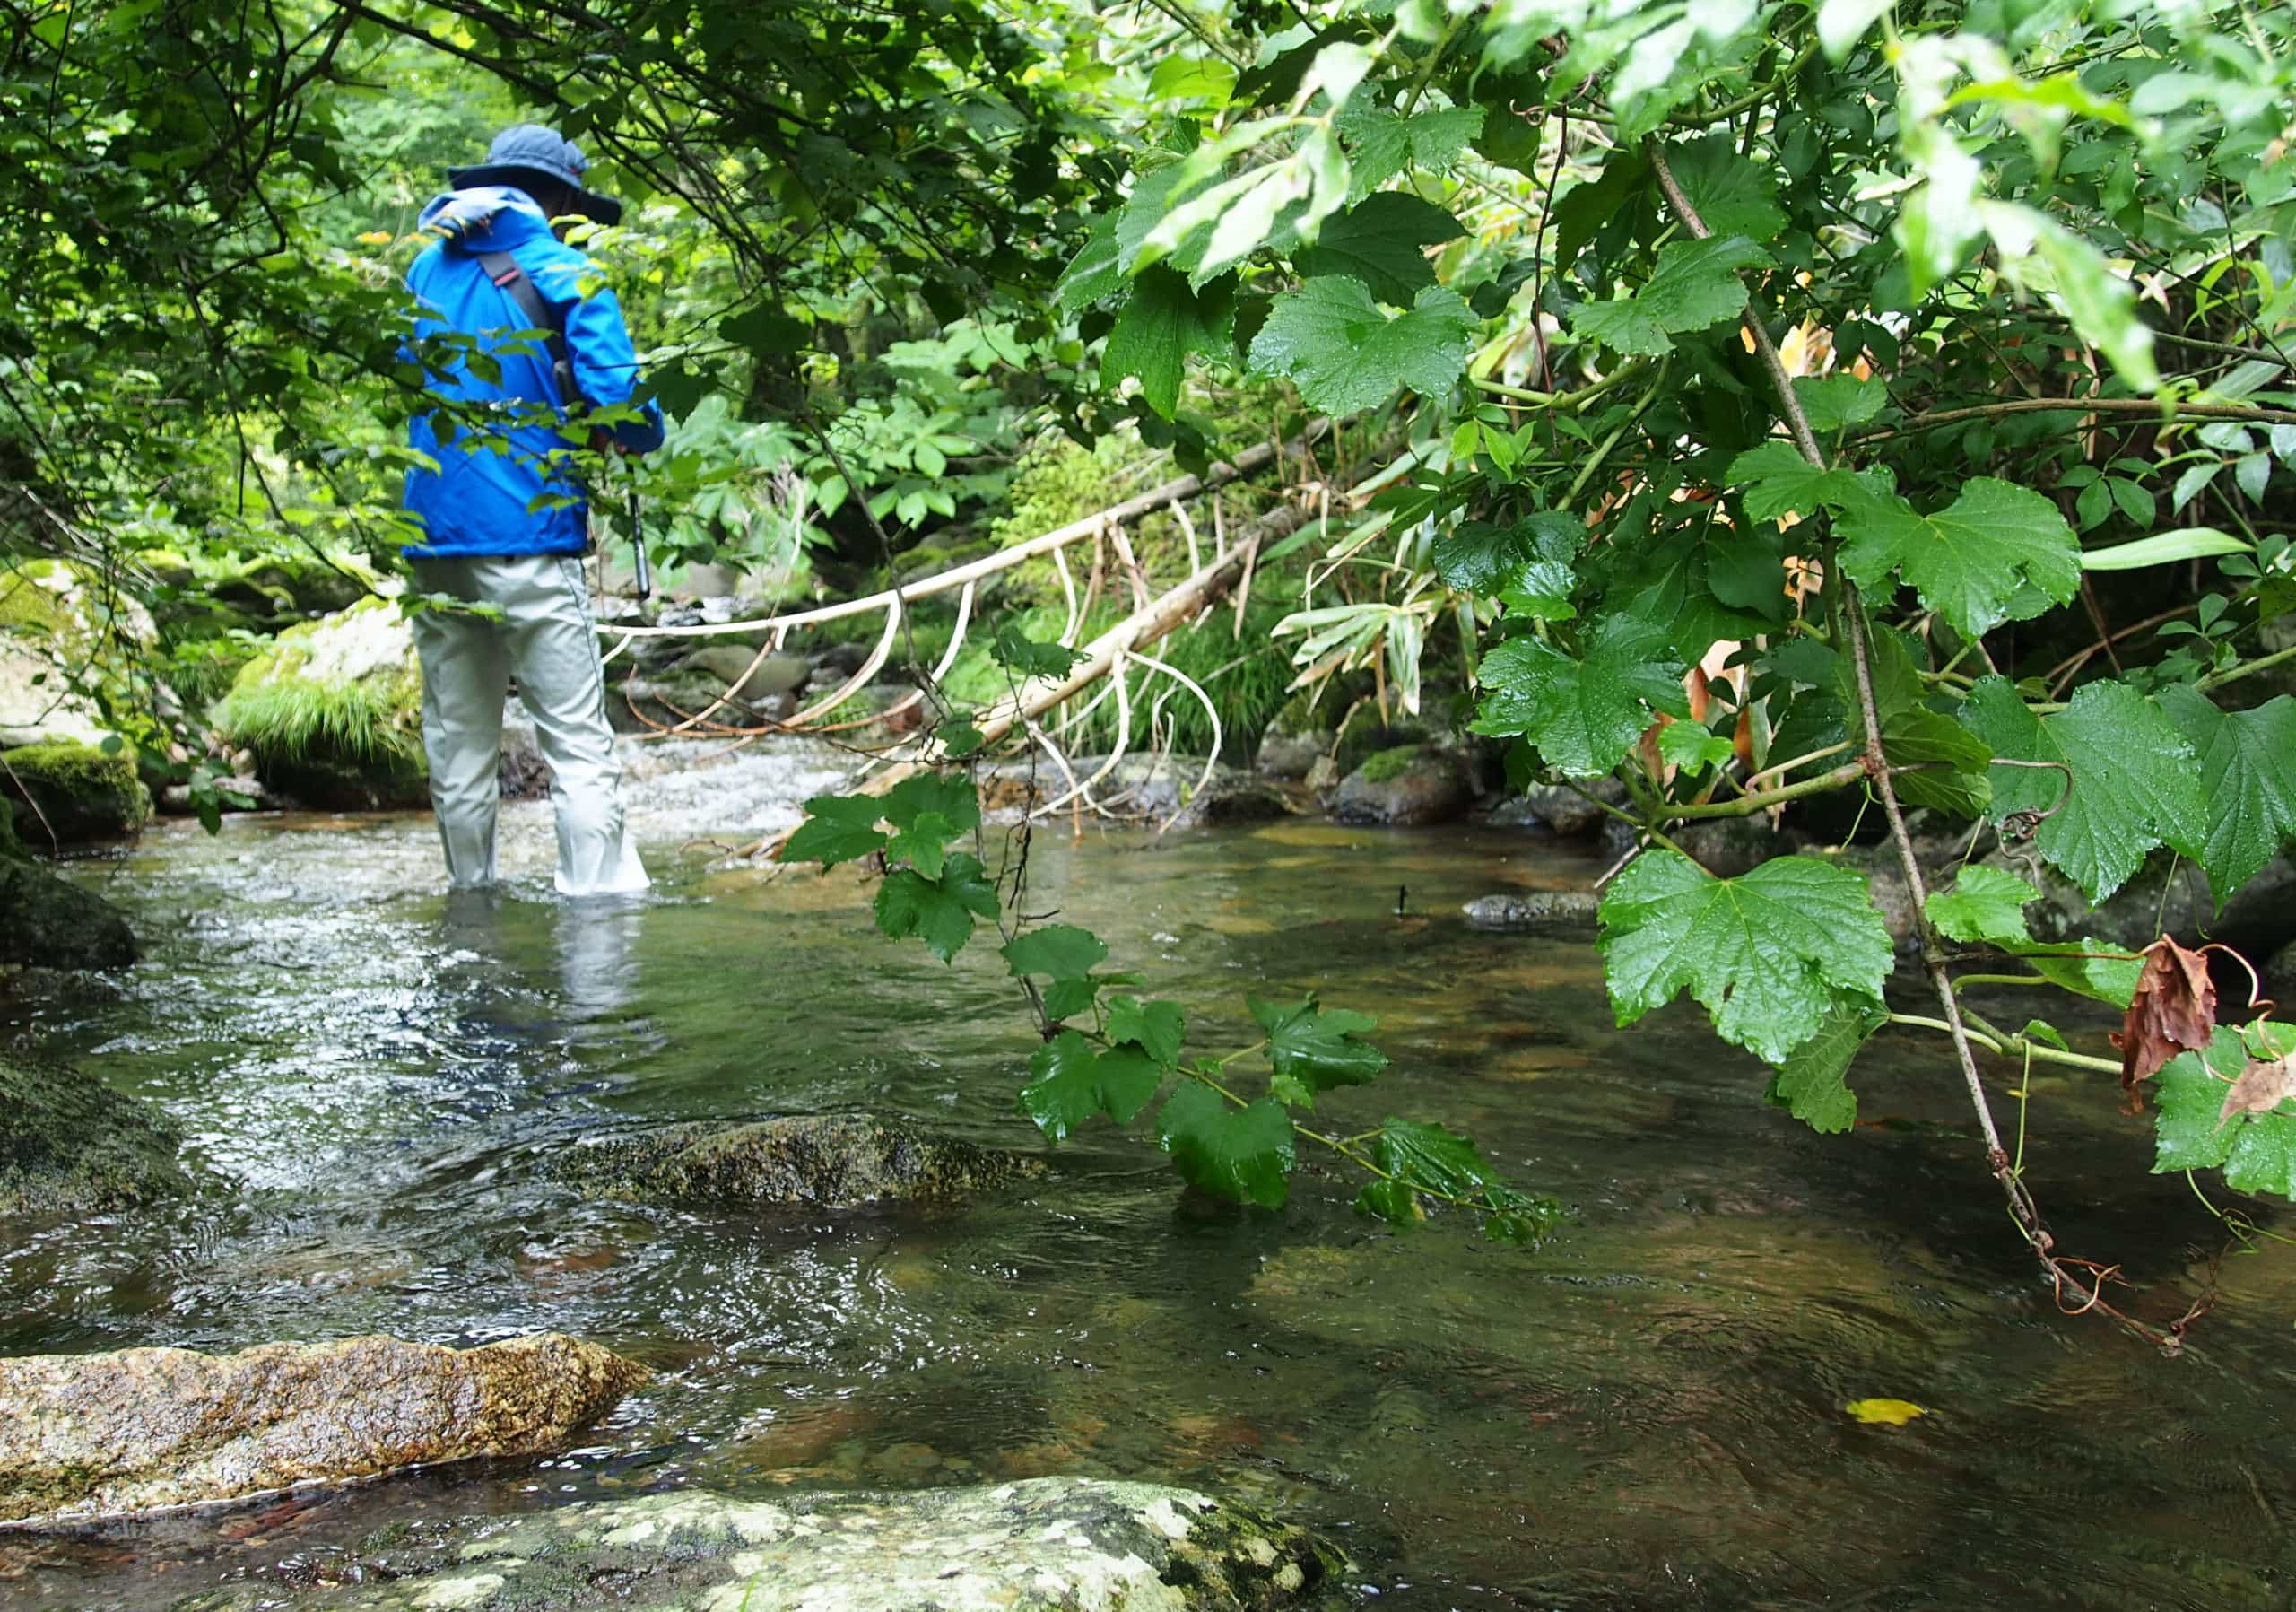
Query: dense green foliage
x=1876 y=416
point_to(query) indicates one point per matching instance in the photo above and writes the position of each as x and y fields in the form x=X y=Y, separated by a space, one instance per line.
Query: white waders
x=546 y=639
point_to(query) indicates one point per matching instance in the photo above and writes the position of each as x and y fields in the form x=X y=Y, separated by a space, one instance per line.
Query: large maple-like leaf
x=1695 y=285
x=1998 y=553
x=1582 y=715
x=1344 y=353
x=2134 y=783
x=2247 y=775
x=1774 y=954
x=1161 y=324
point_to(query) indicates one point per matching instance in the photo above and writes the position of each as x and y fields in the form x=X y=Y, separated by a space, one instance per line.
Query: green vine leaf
x=1315 y=1048
x=1695 y=286
x=938 y=911
x=1244 y=1155
x=1985 y=906
x=2193 y=1131
x=1383 y=145
x=1162 y=322
x=1382 y=241
x=1157 y=1028
x=1025 y=656
x=1998 y=553
x=1732 y=194
x=1779 y=482
x=1427 y=1158
x=1773 y=956
x=838 y=828
x=2247 y=777
x=1344 y=354
x=1582 y=715
x=1074 y=1082
x=1529 y=561
x=1062 y=951
x=1810 y=1083
x=2135 y=782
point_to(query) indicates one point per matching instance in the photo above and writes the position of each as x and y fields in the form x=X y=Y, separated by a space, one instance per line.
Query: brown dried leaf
x=2261 y=1087
x=2174 y=1010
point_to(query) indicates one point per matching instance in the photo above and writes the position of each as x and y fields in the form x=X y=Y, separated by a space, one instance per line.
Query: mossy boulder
x=60 y=620
x=333 y=713
x=70 y=1144
x=832 y=1161
x=1047 y=1545
x=1404 y=784
x=74 y=794
x=142 y=1430
x=54 y=923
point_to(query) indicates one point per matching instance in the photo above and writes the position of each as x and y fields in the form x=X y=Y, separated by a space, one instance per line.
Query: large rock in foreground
x=97 y=1435
x=70 y=1144
x=835 y=1161
x=1049 y=1544
x=53 y=923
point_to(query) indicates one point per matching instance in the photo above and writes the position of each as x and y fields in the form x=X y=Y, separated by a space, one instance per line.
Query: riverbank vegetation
x=1874 y=420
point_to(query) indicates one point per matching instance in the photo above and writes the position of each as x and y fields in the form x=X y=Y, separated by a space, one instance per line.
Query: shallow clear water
x=1645 y=1412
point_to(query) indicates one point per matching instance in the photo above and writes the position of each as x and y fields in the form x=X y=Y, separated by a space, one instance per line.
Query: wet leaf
x=1773 y=954
x=2135 y=783
x=1155 y=1027
x=1242 y=1154
x=838 y=828
x=1074 y=1082
x=1062 y=951
x=1986 y=904
x=1584 y=714
x=939 y=911
x=2173 y=1010
x=1888 y=1413
x=1319 y=1047
x=1810 y=1083
x=2192 y=1130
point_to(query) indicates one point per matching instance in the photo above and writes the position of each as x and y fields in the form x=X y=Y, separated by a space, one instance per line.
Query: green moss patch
x=73 y=793
x=1388 y=765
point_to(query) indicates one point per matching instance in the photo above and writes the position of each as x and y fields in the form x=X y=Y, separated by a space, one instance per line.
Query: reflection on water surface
x=1644 y=1413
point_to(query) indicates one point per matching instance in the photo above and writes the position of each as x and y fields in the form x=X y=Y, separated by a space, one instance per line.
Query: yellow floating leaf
x=1897 y=1413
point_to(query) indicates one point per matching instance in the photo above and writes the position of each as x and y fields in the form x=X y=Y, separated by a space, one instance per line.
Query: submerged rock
x=836 y=1161
x=1409 y=784
x=70 y=1144
x=1536 y=912
x=139 y=1430
x=1047 y=1545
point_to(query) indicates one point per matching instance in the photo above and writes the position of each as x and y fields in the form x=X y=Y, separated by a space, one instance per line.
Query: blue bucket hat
x=519 y=154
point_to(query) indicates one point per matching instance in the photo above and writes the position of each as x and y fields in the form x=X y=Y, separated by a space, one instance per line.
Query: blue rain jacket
x=479 y=500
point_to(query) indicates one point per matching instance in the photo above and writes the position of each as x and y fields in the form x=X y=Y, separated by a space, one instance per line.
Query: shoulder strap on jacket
x=504 y=271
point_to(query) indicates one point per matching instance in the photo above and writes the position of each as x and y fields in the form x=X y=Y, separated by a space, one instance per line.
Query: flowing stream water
x=1645 y=1411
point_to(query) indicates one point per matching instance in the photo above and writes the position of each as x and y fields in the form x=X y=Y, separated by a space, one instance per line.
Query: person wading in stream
x=504 y=520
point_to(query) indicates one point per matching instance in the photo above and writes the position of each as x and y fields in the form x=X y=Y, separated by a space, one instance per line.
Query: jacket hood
x=490 y=218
